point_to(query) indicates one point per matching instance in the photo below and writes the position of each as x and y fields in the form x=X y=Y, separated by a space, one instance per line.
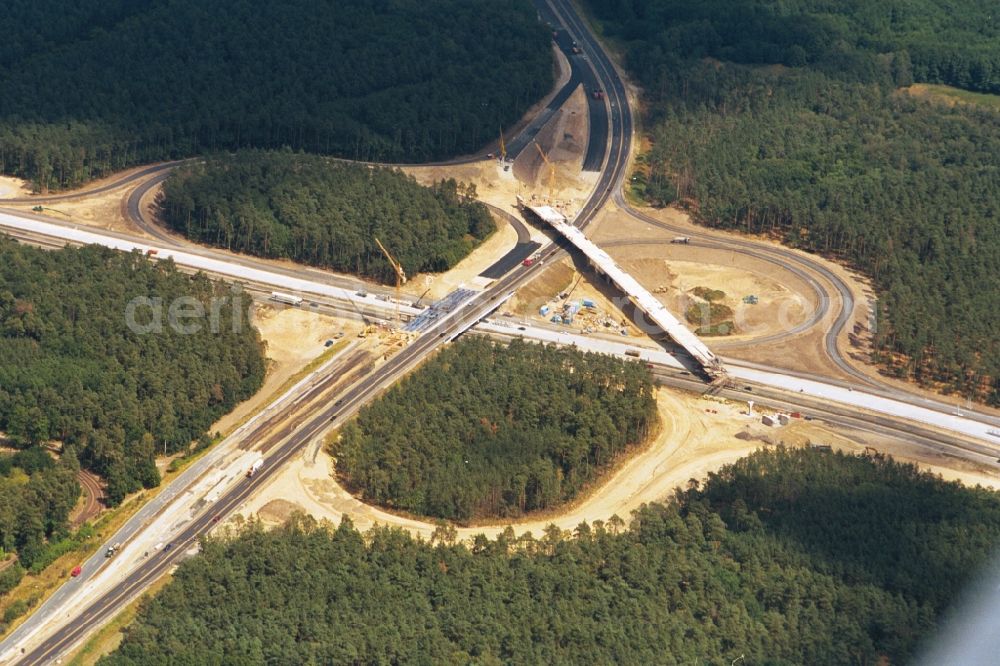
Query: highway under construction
x=62 y=622
x=658 y=315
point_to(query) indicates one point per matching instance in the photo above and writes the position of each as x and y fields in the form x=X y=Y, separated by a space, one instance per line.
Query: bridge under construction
x=637 y=294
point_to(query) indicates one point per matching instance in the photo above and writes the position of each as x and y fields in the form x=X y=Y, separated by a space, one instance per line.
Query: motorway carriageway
x=953 y=422
x=937 y=414
x=166 y=509
x=238 y=271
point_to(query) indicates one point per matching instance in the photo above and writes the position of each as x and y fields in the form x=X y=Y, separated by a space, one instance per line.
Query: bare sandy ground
x=698 y=435
x=779 y=308
x=102 y=211
x=466 y=272
x=565 y=276
x=804 y=352
x=563 y=140
x=294 y=337
x=11 y=188
x=782 y=304
x=785 y=292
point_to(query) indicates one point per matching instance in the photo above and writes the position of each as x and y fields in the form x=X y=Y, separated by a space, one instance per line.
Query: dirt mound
x=277 y=511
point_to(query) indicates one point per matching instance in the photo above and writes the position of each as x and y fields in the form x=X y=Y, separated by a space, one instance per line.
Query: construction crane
x=400 y=274
x=552 y=170
x=503 y=148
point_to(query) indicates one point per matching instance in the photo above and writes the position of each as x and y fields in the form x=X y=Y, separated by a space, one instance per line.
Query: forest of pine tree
x=73 y=371
x=786 y=557
x=37 y=494
x=486 y=430
x=822 y=148
x=325 y=213
x=92 y=88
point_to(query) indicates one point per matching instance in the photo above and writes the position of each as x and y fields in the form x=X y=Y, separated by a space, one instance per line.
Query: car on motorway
x=216 y=519
x=77 y=570
x=521 y=328
x=168 y=547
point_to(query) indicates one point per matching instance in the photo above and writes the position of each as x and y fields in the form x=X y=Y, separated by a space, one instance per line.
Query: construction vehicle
x=552 y=169
x=503 y=152
x=400 y=274
x=367 y=330
x=683 y=240
x=255 y=467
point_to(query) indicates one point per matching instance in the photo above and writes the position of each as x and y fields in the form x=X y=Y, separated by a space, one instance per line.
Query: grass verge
x=954 y=95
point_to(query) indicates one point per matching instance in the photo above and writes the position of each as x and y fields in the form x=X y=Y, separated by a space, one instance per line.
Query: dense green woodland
x=104 y=84
x=325 y=213
x=72 y=369
x=36 y=496
x=956 y=42
x=487 y=430
x=830 y=156
x=787 y=557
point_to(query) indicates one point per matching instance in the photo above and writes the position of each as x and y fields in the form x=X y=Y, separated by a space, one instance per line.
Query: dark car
x=168 y=546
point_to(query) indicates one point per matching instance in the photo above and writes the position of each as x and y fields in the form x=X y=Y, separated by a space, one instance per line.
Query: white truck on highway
x=255 y=467
x=681 y=240
x=285 y=298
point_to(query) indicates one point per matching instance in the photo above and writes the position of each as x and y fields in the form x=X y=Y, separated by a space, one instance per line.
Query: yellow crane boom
x=552 y=169
x=400 y=274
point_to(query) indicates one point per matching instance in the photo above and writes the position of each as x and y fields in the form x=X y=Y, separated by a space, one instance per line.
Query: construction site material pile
x=644 y=300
